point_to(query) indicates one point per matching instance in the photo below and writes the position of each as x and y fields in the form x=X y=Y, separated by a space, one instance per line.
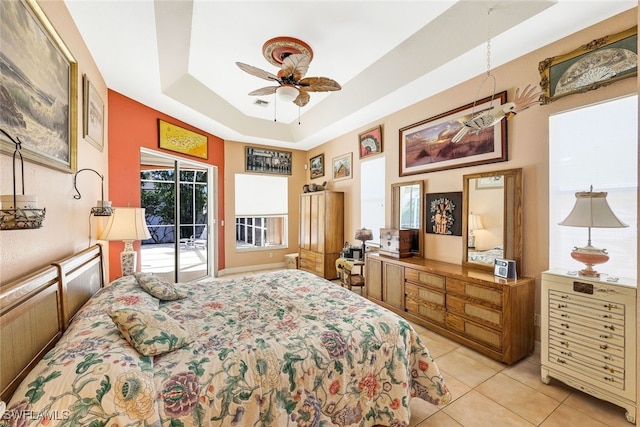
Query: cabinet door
x=305 y=223
x=317 y=223
x=373 y=283
x=393 y=291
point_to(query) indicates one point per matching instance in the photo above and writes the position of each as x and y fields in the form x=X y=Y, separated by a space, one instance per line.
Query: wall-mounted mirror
x=406 y=209
x=492 y=218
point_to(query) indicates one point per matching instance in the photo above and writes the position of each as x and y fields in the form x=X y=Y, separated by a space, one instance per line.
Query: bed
x=279 y=348
x=486 y=256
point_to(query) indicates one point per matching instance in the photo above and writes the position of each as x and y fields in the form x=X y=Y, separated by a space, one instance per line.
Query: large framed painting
x=176 y=138
x=93 y=114
x=427 y=146
x=39 y=87
x=595 y=64
x=266 y=160
x=444 y=213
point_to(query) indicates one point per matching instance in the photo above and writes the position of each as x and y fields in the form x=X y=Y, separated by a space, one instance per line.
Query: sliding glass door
x=179 y=203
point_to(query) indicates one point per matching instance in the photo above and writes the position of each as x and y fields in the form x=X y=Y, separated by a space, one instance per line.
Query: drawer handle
x=563 y=306
x=609 y=358
x=612 y=327
x=610 y=379
x=564 y=325
x=561 y=361
x=566 y=353
x=561 y=333
x=565 y=297
x=604 y=346
x=606 y=368
x=564 y=315
x=610 y=306
x=606 y=337
x=607 y=316
x=565 y=343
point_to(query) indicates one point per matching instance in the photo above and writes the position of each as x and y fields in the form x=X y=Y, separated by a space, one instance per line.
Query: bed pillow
x=158 y=287
x=151 y=332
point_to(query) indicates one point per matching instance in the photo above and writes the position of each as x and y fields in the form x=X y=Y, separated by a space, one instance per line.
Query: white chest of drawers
x=589 y=336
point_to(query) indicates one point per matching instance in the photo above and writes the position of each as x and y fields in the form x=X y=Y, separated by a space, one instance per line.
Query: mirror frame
x=512 y=219
x=395 y=211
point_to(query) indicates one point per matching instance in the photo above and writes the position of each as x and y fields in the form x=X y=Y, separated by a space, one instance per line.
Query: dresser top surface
x=605 y=279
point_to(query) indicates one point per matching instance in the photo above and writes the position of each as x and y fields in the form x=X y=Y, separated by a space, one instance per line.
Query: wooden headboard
x=36 y=310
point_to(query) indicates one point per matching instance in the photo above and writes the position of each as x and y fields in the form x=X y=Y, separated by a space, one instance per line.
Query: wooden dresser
x=321 y=236
x=588 y=334
x=473 y=307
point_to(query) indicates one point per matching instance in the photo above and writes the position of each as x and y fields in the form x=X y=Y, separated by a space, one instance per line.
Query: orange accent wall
x=133 y=125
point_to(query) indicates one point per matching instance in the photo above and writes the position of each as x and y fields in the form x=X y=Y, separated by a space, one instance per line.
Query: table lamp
x=126 y=224
x=363 y=235
x=475 y=223
x=591 y=210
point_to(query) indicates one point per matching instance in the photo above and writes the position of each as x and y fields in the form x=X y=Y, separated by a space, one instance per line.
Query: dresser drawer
x=424 y=278
x=474 y=330
x=471 y=290
x=422 y=308
x=424 y=295
x=311 y=261
x=471 y=309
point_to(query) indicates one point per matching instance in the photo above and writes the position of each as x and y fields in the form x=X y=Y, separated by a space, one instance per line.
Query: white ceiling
x=178 y=56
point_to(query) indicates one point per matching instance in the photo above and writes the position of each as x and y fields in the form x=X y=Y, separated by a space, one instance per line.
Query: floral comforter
x=285 y=348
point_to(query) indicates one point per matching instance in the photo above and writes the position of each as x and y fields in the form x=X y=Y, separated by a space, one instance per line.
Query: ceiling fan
x=293 y=56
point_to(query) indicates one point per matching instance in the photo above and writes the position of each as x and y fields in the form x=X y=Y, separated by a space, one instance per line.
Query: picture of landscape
x=35 y=88
x=426 y=146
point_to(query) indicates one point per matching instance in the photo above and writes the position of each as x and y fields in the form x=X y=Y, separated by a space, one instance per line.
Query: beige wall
x=234 y=155
x=527 y=138
x=65 y=229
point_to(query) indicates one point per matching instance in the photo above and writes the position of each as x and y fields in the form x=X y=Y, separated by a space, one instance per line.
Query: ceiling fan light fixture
x=287 y=93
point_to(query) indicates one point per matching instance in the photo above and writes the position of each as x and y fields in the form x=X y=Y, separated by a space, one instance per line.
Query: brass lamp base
x=590 y=256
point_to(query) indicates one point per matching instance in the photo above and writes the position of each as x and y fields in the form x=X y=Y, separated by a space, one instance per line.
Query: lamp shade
x=126 y=224
x=475 y=222
x=287 y=92
x=364 y=234
x=592 y=210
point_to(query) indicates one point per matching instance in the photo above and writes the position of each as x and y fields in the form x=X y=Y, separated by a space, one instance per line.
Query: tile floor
x=492 y=394
x=488 y=393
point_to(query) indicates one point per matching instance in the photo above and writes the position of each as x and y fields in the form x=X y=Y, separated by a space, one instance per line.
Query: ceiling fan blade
x=255 y=71
x=319 y=84
x=264 y=91
x=295 y=65
x=302 y=99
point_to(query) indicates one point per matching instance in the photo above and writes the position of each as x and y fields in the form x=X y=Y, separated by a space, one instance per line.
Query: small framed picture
x=317 y=166
x=370 y=142
x=342 y=167
x=93 y=114
x=444 y=213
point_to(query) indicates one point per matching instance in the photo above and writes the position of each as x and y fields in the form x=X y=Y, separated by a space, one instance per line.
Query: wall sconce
x=104 y=206
x=591 y=210
x=19 y=211
x=127 y=224
x=475 y=223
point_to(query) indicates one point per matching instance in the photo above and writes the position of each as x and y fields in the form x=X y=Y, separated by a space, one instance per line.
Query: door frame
x=212 y=204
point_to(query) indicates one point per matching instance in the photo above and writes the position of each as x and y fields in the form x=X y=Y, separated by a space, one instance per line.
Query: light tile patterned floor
x=488 y=393
x=492 y=394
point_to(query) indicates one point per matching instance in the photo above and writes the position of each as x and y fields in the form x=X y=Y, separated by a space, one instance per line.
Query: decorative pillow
x=151 y=332
x=158 y=287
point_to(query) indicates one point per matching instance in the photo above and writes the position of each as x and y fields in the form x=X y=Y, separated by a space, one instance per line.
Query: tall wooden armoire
x=321 y=236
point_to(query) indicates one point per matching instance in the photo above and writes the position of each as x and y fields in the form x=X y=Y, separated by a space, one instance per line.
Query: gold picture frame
x=593 y=65
x=176 y=138
x=46 y=124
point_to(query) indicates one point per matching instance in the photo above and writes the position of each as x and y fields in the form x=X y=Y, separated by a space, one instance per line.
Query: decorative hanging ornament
x=485 y=119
